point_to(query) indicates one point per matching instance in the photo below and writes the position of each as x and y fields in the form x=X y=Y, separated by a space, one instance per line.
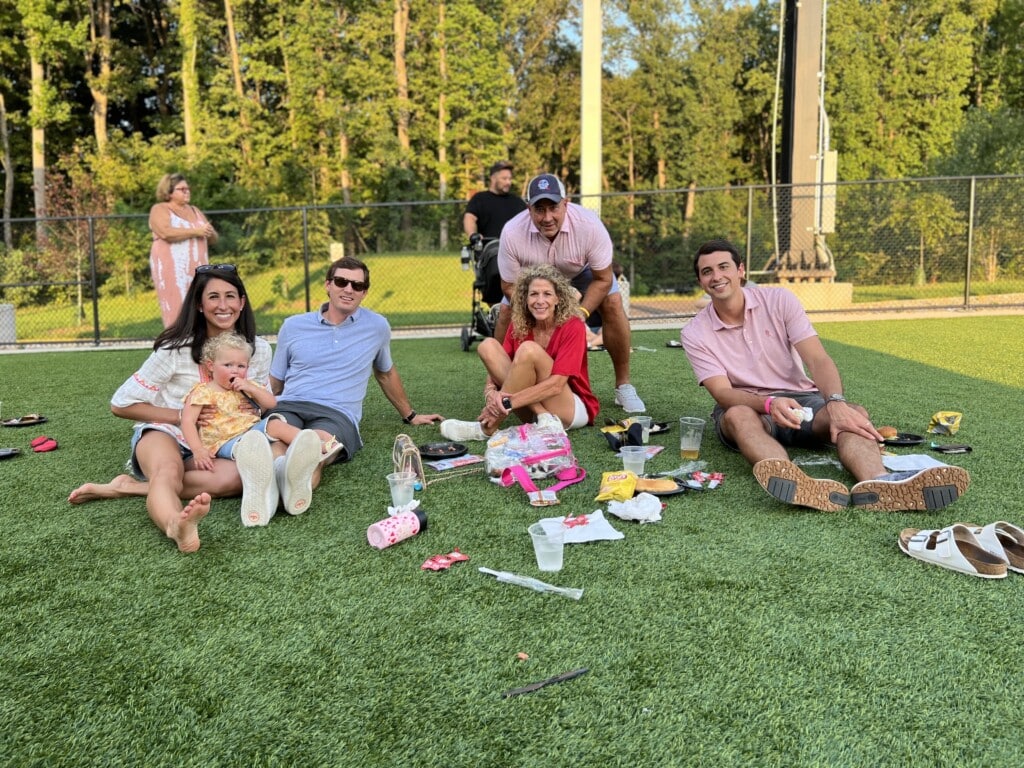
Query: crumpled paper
x=643 y=508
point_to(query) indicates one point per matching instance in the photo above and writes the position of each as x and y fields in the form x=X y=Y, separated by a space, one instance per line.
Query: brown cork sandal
x=955 y=548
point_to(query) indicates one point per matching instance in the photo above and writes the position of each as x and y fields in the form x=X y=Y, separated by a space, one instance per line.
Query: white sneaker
x=550 y=421
x=300 y=461
x=453 y=429
x=255 y=463
x=630 y=401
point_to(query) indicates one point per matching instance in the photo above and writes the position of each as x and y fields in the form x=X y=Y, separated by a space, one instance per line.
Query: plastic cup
x=401 y=484
x=633 y=458
x=548 y=547
x=691 y=431
x=645 y=423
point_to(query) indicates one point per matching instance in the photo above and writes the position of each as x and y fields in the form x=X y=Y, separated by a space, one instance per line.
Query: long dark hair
x=189 y=329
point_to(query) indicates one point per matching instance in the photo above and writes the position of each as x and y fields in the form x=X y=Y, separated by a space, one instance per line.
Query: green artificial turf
x=737 y=631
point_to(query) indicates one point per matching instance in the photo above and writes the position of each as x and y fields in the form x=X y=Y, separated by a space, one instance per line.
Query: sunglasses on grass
x=216 y=268
x=357 y=285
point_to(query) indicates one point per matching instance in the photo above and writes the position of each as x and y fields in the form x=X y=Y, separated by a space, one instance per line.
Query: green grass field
x=737 y=631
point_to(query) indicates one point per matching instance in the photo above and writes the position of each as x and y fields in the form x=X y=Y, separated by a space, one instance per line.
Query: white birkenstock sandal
x=954 y=547
x=1004 y=540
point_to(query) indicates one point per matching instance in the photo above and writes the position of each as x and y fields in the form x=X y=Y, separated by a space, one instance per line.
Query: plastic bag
x=542 y=448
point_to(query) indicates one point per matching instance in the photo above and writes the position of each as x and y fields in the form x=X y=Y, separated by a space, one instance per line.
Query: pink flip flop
x=44 y=444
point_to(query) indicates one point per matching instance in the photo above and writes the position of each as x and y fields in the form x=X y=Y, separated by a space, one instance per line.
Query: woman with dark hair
x=161 y=462
x=181 y=237
x=541 y=367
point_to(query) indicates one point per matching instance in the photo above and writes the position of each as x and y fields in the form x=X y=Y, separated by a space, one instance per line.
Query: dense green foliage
x=353 y=103
x=306 y=101
x=736 y=632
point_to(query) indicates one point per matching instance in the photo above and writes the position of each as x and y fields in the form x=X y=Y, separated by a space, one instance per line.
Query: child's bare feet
x=186 y=530
x=118 y=488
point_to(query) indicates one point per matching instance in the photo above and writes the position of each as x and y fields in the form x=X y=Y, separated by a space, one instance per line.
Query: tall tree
x=897 y=79
x=51 y=37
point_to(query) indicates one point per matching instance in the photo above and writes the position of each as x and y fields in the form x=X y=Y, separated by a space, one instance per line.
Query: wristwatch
x=506 y=403
x=835 y=399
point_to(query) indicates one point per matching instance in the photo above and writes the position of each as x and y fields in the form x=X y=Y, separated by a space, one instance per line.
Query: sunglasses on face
x=216 y=268
x=343 y=282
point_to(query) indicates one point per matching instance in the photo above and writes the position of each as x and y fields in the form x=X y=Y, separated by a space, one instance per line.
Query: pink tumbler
x=396 y=528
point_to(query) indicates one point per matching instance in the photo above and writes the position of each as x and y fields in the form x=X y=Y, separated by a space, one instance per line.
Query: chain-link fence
x=863 y=246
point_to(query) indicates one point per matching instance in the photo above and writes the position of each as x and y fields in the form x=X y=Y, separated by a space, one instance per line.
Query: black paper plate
x=442 y=450
x=680 y=488
x=904 y=438
x=657 y=427
x=951 y=448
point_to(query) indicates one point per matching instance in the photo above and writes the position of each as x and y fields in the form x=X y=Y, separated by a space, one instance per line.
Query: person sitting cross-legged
x=541 y=367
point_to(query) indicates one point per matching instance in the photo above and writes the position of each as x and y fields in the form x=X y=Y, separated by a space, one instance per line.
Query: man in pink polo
x=755 y=351
x=573 y=240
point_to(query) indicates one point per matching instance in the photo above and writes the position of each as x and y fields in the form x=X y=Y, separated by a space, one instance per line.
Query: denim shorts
x=227 y=451
x=168 y=429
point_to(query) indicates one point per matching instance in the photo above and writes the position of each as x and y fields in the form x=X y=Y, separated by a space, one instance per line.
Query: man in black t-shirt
x=488 y=210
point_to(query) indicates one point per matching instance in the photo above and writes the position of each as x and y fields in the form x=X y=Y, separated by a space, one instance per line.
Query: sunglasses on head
x=344 y=282
x=216 y=268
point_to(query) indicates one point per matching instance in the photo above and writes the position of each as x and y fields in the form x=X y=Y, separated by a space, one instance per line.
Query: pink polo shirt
x=758 y=356
x=582 y=241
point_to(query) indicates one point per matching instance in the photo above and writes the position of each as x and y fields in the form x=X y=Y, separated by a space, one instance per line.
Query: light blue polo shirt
x=331 y=364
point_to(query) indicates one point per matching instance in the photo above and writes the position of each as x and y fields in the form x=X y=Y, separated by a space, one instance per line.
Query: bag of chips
x=945 y=423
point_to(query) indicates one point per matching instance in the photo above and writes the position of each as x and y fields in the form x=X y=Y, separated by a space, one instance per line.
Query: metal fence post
x=94 y=283
x=305 y=251
x=750 y=223
x=970 y=245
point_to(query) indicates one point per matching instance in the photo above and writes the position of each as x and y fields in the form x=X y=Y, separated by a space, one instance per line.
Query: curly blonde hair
x=568 y=303
x=227 y=340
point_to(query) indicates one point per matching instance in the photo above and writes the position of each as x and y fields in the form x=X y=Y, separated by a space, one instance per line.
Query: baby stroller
x=486 y=291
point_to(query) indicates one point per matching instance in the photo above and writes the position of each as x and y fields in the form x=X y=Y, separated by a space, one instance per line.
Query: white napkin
x=643 y=508
x=597 y=529
x=911 y=461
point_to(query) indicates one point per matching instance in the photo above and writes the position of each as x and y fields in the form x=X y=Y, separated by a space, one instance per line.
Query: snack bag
x=617 y=486
x=945 y=423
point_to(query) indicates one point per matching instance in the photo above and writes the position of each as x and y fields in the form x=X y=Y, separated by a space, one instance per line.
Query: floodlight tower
x=806 y=162
x=590 y=107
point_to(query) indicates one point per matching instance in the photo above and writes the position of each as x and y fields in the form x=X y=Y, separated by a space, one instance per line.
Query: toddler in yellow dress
x=226 y=361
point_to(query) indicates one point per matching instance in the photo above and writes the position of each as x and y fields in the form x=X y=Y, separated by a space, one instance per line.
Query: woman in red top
x=541 y=367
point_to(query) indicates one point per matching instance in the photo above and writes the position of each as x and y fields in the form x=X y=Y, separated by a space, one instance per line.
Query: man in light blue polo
x=320 y=371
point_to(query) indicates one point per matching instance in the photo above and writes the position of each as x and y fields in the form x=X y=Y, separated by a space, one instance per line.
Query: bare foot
x=118 y=488
x=186 y=530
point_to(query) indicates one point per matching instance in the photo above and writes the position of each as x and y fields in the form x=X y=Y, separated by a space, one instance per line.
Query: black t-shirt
x=493 y=211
